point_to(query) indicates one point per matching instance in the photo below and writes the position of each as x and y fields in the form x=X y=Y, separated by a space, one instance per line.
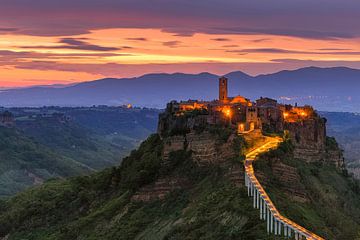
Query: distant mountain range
x=331 y=89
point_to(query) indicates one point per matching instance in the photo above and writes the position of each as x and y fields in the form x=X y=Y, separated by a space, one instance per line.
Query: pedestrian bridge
x=275 y=223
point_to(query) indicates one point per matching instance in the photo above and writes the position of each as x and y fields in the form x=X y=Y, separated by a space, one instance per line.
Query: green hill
x=345 y=127
x=55 y=142
x=24 y=162
x=322 y=198
x=74 y=141
x=171 y=196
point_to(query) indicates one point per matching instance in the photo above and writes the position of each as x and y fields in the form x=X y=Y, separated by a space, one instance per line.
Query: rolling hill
x=63 y=142
x=147 y=199
x=331 y=89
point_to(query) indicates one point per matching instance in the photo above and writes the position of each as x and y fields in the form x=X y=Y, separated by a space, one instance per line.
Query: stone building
x=223 y=90
x=264 y=114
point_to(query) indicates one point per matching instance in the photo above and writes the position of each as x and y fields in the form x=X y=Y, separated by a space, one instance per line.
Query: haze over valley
x=327 y=89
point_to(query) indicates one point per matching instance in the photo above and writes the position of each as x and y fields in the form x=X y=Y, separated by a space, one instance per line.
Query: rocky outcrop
x=334 y=157
x=290 y=181
x=236 y=174
x=205 y=147
x=310 y=142
x=308 y=137
x=159 y=189
x=172 y=124
x=287 y=177
x=172 y=144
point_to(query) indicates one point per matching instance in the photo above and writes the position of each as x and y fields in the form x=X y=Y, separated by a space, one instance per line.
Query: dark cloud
x=266 y=50
x=221 y=39
x=8 y=57
x=230 y=46
x=333 y=49
x=285 y=32
x=126 y=70
x=76 y=44
x=8 y=29
x=260 y=40
x=137 y=39
x=74 y=41
x=285 y=51
x=321 y=19
x=172 y=44
x=184 y=34
x=318 y=63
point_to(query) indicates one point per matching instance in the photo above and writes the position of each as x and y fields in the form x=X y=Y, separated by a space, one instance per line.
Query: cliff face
x=310 y=142
x=188 y=183
x=312 y=193
x=204 y=150
x=205 y=147
x=288 y=179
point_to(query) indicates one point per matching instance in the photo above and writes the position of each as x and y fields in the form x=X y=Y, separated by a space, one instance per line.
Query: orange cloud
x=122 y=52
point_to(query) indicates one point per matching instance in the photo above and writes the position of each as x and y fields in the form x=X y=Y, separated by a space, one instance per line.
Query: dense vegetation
x=73 y=141
x=54 y=142
x=99 y=206
x=333 y=208
x=24 y=161
x=345 y=127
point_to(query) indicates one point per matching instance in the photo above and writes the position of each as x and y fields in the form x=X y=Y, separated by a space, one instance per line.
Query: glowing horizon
x=37 y=53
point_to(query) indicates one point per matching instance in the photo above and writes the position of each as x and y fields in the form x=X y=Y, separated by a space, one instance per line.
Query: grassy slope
x=93 y=139
x=20 y=157
x=73 y=141
x=99 y=206
x=334 y=208
x=345 y=127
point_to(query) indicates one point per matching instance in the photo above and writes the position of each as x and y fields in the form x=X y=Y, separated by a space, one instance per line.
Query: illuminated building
x=241 y=113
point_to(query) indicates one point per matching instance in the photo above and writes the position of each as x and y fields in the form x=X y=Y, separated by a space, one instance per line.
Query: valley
x=46 y=143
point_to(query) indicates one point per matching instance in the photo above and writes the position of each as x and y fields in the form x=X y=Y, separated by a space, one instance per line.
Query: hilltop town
x=245 y=115
x=195 y=178
x=265 y=116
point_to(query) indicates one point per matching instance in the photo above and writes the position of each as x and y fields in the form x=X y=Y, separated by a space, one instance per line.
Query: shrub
x=222 y=133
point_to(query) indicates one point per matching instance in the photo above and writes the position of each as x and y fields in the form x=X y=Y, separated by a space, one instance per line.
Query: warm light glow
x=298 y=114
x=190 y=106
x=239 y=99
x=241 y=128
x=40 y=59
x=227 y=111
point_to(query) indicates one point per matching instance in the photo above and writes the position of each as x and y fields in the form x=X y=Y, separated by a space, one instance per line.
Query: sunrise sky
x=60 y=42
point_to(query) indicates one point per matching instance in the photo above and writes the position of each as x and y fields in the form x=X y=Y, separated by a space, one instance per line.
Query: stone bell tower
x=223 y=89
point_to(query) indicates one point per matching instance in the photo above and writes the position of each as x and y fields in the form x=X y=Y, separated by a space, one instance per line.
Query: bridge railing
x=275 y=223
